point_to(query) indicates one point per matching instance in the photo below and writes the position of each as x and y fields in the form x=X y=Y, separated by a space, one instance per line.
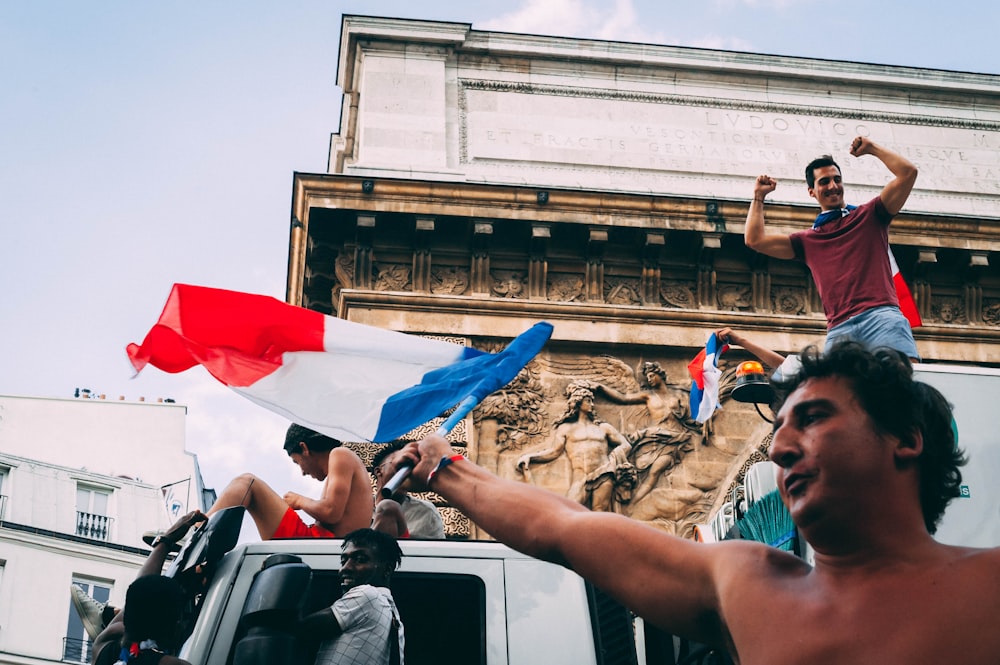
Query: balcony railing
x=89 y=525
x=76 y=650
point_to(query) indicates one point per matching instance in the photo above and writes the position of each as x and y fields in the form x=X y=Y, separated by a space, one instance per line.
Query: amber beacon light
x=751 y=384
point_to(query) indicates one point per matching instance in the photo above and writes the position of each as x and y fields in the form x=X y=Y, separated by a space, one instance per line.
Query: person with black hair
x=402 y=515
x=148 y=629
x=345 y=503
x=847 y=249
x=868 y=461
x=362 y=627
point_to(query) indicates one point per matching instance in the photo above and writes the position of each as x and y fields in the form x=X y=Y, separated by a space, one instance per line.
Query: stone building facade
x=482 y=181
x=81 y=480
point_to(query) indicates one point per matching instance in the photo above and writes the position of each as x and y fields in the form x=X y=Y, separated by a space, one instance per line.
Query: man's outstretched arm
x=777 y=245
x=153 y=565
x=895 y=193
x=770 y=358
x=667 y=580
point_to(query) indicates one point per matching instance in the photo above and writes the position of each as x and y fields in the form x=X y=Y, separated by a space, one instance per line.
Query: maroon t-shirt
x=849 y=260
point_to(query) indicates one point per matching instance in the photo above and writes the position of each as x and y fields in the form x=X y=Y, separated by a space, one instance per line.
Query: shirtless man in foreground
x=344 y=505
x=868 y=462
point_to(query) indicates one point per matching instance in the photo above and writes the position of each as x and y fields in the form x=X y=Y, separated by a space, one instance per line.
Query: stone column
x=706 y=287
x=422 y=254
x=760 y=285
x=921 y=283
x=649 y=285
x=479 y=272
x=972 y=291
x=594 y=275
x=538 y=265
x=363 y=259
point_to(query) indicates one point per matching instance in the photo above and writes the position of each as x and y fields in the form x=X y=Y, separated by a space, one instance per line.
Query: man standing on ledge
x=847 y=249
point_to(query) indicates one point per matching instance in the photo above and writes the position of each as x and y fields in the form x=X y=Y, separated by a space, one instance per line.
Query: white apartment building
x=80 y=481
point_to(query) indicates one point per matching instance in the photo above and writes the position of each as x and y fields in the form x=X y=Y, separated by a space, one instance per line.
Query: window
x=92 y=519
x=3 y=492
x=427 y=601
x=77 y=644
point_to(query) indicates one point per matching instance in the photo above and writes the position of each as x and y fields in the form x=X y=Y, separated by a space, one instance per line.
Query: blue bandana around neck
x=830 y=215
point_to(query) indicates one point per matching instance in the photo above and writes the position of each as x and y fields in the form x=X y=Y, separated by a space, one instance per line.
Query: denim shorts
x=878 y=327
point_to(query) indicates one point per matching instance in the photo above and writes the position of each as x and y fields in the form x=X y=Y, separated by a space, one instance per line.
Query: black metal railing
x=76 y=650
x=93 y=526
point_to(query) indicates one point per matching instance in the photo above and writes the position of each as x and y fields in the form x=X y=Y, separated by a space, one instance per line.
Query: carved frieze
x=991 y=314
x=734 y=298
x=393 y=277
x=619 y=291
x=344 y=270
x=566 y=288
x=508 y=284
x=449 y=281
x=676 y=294
x=789 y=301
x=948 y=310
x=613 y=435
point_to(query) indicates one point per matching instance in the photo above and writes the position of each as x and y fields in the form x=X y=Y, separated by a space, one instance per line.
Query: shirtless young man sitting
x=344 y=505
x=868 y=462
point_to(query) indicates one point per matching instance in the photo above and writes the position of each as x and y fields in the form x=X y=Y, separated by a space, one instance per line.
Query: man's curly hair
x=882 y=381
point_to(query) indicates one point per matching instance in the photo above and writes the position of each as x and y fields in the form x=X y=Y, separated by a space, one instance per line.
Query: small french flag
x=704 y=371
x=906 y=303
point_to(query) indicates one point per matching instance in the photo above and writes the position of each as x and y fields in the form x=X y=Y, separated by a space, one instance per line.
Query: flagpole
x=460 y=412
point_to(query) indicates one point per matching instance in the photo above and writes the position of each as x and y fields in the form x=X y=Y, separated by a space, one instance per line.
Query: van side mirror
x=209 y=543
x=267 y=630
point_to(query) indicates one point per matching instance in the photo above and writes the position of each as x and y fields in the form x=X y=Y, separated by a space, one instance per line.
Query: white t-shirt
x=422 y=518
x=788 y=368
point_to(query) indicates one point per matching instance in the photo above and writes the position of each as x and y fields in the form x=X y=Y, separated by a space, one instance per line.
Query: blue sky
x=143 y=144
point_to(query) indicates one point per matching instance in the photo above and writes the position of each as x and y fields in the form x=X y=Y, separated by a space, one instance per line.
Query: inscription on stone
x=660 y=136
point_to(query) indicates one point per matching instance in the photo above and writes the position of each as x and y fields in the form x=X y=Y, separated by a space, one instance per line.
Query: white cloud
x=615 y=20
x=612 y=20
x=728 y=5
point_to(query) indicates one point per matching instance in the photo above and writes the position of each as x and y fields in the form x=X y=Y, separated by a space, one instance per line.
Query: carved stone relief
x=508 y=283
x=789 y=300
x=676 y=294
x=566 y=288
x=344 y=269
x=991 y=314
x=618 y=291
x=948 y=310
x=449 y=281
x=611 y=437
x=393 y=277
x=733 y=298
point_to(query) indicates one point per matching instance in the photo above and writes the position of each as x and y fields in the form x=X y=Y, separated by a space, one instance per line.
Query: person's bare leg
x=263 y=503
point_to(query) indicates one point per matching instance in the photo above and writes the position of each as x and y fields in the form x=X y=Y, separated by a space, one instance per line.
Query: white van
x=461 y=602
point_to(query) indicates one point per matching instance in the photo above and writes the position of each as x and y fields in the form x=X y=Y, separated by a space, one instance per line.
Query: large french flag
x=906 y=303
x=704 y=371
x=347 y=380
